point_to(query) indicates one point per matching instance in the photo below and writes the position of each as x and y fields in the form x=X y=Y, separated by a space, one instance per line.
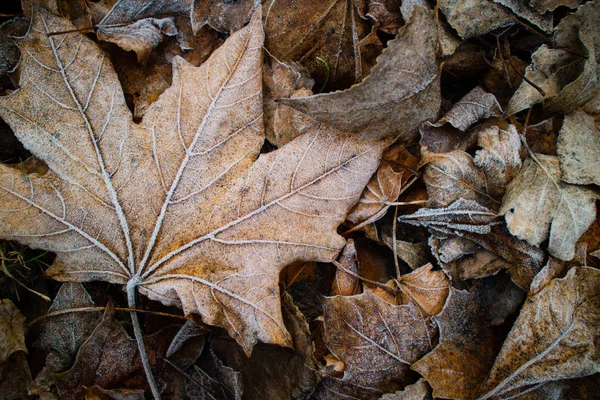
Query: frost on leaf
x=578 y=149
x=537 y=205
x=178 y=206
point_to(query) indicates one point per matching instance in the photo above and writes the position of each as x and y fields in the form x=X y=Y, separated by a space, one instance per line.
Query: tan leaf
x=500 y=157
x=222 y=15
x=416 y=391
x=385 y=14
x=401 y=92
x=15 y=377
x=10 y=55
x=461 y=360
x=12 y=330
x=63 y=334
x=444 y=139
x=473 y=18
x=77 y=11
x=555 y=336
x=414 y=254
x=377 y=341
x=425 y=287
x=332 y=30
x=550 y=5
x=578 y=149
x=345 y=284
x=568 y=74
x=537 y=205
x=475 y=105
x=454 y=175
x=553 y=269
x=523 y=9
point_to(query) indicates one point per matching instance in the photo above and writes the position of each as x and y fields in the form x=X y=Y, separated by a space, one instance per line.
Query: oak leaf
x=537 y=205
x=178 y=206
x=554 y=337
x=578 y=149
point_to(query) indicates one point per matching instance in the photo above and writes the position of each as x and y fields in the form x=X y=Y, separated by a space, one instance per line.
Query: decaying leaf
x=578 y=149
x=178 y=206
x=12 y=330
x=77 y=11
x=63 y=334
x=401 y=91
x=499 y=157
x=385 y=14
x=416 y=391
x=10 y=55
x=97 y=393
x=426 y=288
x=15 y=377
x=377 y=342
x=308 y=32
x=523 y=9
x=474 y=17
x=555 y=336
x=550 y=5
x=344 y=283
x=537 y=205
x=464 y=355
x=475 y=105
x=222 y=15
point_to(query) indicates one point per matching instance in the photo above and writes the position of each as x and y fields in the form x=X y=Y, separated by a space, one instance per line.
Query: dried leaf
x=306 y=31
x=222 y=15
x=97 y=393
x=10 y=55
x=426 y=288
x=401 y=92
x=444 y=139
x=538 y=205
x=63 y=334
x=550 y=5
x=376 y=341
x=77 y=11
x=555 y=336
x=187 y=345
x=345 y=284
x=499 y=158
x=523 y=9
x=578 y=149
x=555 y=268
x=12 y=330
x=417 y=391
x=385 y=14
x=175 y=206
x=472 y=18
x=454 y=175
x=475 y=105
x=461 y=360
x=15 y=377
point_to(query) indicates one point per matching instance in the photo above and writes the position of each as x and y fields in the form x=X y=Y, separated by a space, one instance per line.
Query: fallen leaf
x=578 y=149
x=472 y=18
x=523 y=9
x=10 y=55
x=15 y=377
x=12 y=330
x=537 y=205
x=175 y=206
x=555 y=268
x=63 y=334
x=417 y=391
x=465 y=353
x=554 y=337
x=478 y=265
x=413 y=254
x=550 y=5
x=444 y=139
x=222 y=15
x=401 y=91
x=42 y=385
x=77 y=11
x=385 y=14
x=331 y=30
x=500 y=157
x=345 y=284
x=187 y=345
x=427 y=288
x=541 y=137
x=474 y=106
x=97 y=393
x=377 y=342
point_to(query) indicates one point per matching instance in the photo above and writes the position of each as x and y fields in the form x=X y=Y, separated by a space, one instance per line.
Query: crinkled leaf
x=385 y=14
x=426 y=288
x=472 y=18
x=537 y=205
x=475 y=105
x=555 y=336
x=344 y=283
x=550 y=5
x=578 y=149
x=12 y=330
x=401 y=91
x=523 y=9
x=222 y=15
x=178 y=205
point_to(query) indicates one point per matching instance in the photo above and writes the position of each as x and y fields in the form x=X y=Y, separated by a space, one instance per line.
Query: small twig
x=531 y=29
x=536 y=87
x=9 y=15
x=375 y=283
x=188 y=376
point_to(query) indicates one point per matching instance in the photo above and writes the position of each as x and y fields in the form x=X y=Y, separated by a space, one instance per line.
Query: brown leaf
x=332 y=30
x=550 y=5
x=555 y=268
x=77 y=11
x=97 y=393
x=541 y=137
x=499 y=157
x=461 y=360
x=222 y=15
x=417 y=391
x=377 y=341
x=537 y=206
x=401 y=92
x=444 y=139
x=568 y=74
x=500 y=298
x=475 y=105
x=385 y=14
x=523 y=9
x=63 y=334
x=12 y=330
x=578 y=149
x=426 y=288
x=178 y=206
x=472 y=18
x=555 y=336
x=15 y=377
x=10 y=55
x=454 y=175
x=345 y=284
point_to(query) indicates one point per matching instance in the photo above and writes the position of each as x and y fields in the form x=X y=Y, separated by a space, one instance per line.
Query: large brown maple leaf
x=180 y=206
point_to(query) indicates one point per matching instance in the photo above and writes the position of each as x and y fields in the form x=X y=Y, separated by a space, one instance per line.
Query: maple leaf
x=554 y=337
x=178 y=206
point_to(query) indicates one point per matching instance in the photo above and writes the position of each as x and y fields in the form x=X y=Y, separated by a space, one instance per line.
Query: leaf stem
x=137 y=330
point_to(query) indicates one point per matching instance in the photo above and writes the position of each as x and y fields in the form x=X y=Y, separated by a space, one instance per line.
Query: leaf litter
x=343 y=200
